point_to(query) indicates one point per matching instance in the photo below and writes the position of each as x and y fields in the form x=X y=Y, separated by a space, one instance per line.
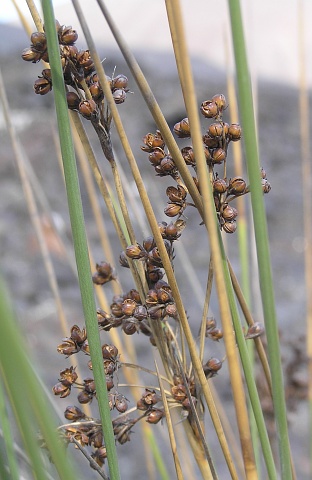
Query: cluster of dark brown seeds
x=79 y=74
x=216 y=141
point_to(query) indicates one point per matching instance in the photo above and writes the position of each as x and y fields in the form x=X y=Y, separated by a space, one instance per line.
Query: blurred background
x=278 y=37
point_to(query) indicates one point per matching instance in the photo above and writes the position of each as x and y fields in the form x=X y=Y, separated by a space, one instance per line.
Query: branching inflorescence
x=129 y=311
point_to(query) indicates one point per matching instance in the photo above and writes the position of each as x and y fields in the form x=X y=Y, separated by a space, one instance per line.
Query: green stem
x=79 y=236
x=260 y=225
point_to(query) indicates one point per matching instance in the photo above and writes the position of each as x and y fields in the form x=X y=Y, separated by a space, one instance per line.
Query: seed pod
x=136 y=252
x=211 y=142
x=237 y=186
x=62 y=390
x=186 y=403
x=176 y=194
x=214 y=334
x=68 y=347
x=152 y=141
x=266 y=186
x=235 y=132
x=212 y=366
x=156 y=156
x=149 y=243
x=167 y=165
x=129 y=326
x=171 y=310
x=210 y=323
x=228 y=212
x=263 y=173
x=119 y=96
x=172 y=232
x=109 y=382
x=123 y=261
x=78 y=335
x=73 y=100
x=179 y=392
x=229 y=227
x=109 y=352
x=30 y=55
x=188 y=155
x=255 y=330
x=42 y=86
x=121 y=81
x=220 y=186
x=140 y=313
x=74 y=413
x=85 y=397
x=182 y=129
x=39 y=41
x=67 y=36
x=209 y=109
x=155 y=416
x=121 y=404
x=96 y=92
x=220 y=100
x=88 y=109
x=84 y=60
x=128 y=307
x=154 y=274
x=110 y=367
x=218 y=156
x=215 y=129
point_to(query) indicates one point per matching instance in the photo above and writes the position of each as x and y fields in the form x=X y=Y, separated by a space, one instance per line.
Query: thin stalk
x=183 y=64
x=261 y=234
x=9 y=466
x=167 y=135
x=79 y=236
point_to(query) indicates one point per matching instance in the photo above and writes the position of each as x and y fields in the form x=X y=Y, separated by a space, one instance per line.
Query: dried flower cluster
x=216 y=141
x=84 y=92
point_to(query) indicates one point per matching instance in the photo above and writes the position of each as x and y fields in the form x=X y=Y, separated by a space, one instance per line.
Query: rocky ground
x=21 y=262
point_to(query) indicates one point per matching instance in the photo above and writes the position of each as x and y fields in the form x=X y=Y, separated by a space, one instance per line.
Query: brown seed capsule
x=263 y=173
x=85 y=397
x=136 y=252
x=68 y=347
x=110 y=367
x=74 y=414
x=172 y=232
x=171 y=310
x=84 y=59
x=88 y=109
x=78 y=335
x=73 y=100
x=121 y=81
x=149 y=243
x=237 y=186
x=266 y=186
x=188 y=155
x=39 y=41
x=42 y=86
x=214 y=334
x=96 y=92
x=140 y=313
x=211 y=142
x=235 y=132
x=123 y=261
x=230 y=226
x=215 y=130
x=220 y=185
x=130 y=326
x=100 y=455
x=220 y=100
x=176 y=194
x=85 y=348
x=218 y=156
x=67 y=36
x=182 y=129
x=30 y=55
x=186 y=403
x=228 y=212
x=210 y=323
x=166 y=166
x=109 y=382
x=121 y=404
x=128 y=307
x=209 y=109
x=62 y=390
x=212 y=366
x=68 y=376
x=106 y=270
x=255 y=330
x=156 y=156
x=109 y=352
x=155 y=416
x=179 y=392
x=119 y=96
x=152 y=141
